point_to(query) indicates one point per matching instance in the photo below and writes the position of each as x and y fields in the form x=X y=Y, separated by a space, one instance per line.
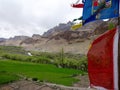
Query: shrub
x=73 y=63
x=111 y=26
x=44 y=60
x=34 y=79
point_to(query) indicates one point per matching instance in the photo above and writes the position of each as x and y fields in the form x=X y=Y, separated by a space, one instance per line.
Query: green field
x=7 y=77
x=60 y=59
x=44 y=72
x=58 y=68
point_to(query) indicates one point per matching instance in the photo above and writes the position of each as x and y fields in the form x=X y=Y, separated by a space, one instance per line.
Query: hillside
x=2 y=39
x=62 y=36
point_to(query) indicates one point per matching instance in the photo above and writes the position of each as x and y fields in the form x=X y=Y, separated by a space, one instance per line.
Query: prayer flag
x=77 y=5
x=100 y=9
x=76 y=26
x=103 y=61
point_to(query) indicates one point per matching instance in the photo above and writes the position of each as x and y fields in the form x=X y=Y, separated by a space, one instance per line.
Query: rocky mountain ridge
x=60 y=28
x=62 y=36
x=2 y=40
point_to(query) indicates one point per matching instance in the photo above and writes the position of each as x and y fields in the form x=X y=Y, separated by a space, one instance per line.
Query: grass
x=43 y=72
x=6 y=77
x=12 y=50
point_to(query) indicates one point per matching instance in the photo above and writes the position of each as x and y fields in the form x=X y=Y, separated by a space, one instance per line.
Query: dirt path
x=30 y=85
x=25 y=85
x=84 y=81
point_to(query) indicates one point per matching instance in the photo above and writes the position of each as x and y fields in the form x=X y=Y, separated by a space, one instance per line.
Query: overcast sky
x=27 y=17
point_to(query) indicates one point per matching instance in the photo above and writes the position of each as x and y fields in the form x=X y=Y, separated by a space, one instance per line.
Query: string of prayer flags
x=80 y=18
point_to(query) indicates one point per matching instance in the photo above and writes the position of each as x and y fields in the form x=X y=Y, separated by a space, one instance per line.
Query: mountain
x=2 y=39
x=18 y=38
x=15 y=41
x=62 y=37
x=60 y=28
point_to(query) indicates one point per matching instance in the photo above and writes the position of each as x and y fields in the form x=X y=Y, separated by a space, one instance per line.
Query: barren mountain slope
x=62 y=36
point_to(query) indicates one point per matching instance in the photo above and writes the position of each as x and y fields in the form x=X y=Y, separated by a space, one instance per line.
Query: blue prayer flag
x=103 y=9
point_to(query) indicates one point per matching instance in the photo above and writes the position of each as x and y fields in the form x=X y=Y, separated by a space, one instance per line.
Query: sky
x=28 y=17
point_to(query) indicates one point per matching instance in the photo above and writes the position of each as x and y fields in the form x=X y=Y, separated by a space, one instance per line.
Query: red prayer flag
x=102 y=61
x=96 y=3
x=77 y=5
x=80 y=5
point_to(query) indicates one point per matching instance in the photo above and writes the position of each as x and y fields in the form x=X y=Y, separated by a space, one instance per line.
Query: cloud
x=10 y=11
x=27 y=17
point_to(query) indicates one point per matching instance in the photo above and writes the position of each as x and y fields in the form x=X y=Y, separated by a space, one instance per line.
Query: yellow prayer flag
x=76 y=26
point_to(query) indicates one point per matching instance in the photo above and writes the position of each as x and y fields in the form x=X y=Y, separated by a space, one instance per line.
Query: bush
x=34 y=79
x=83 y=64
x=73 y=63
x=44 y=60
x=6 y=56
x=111 y=26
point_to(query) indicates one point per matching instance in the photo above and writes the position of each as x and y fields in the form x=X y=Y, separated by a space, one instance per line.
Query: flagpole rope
x=77 y=2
